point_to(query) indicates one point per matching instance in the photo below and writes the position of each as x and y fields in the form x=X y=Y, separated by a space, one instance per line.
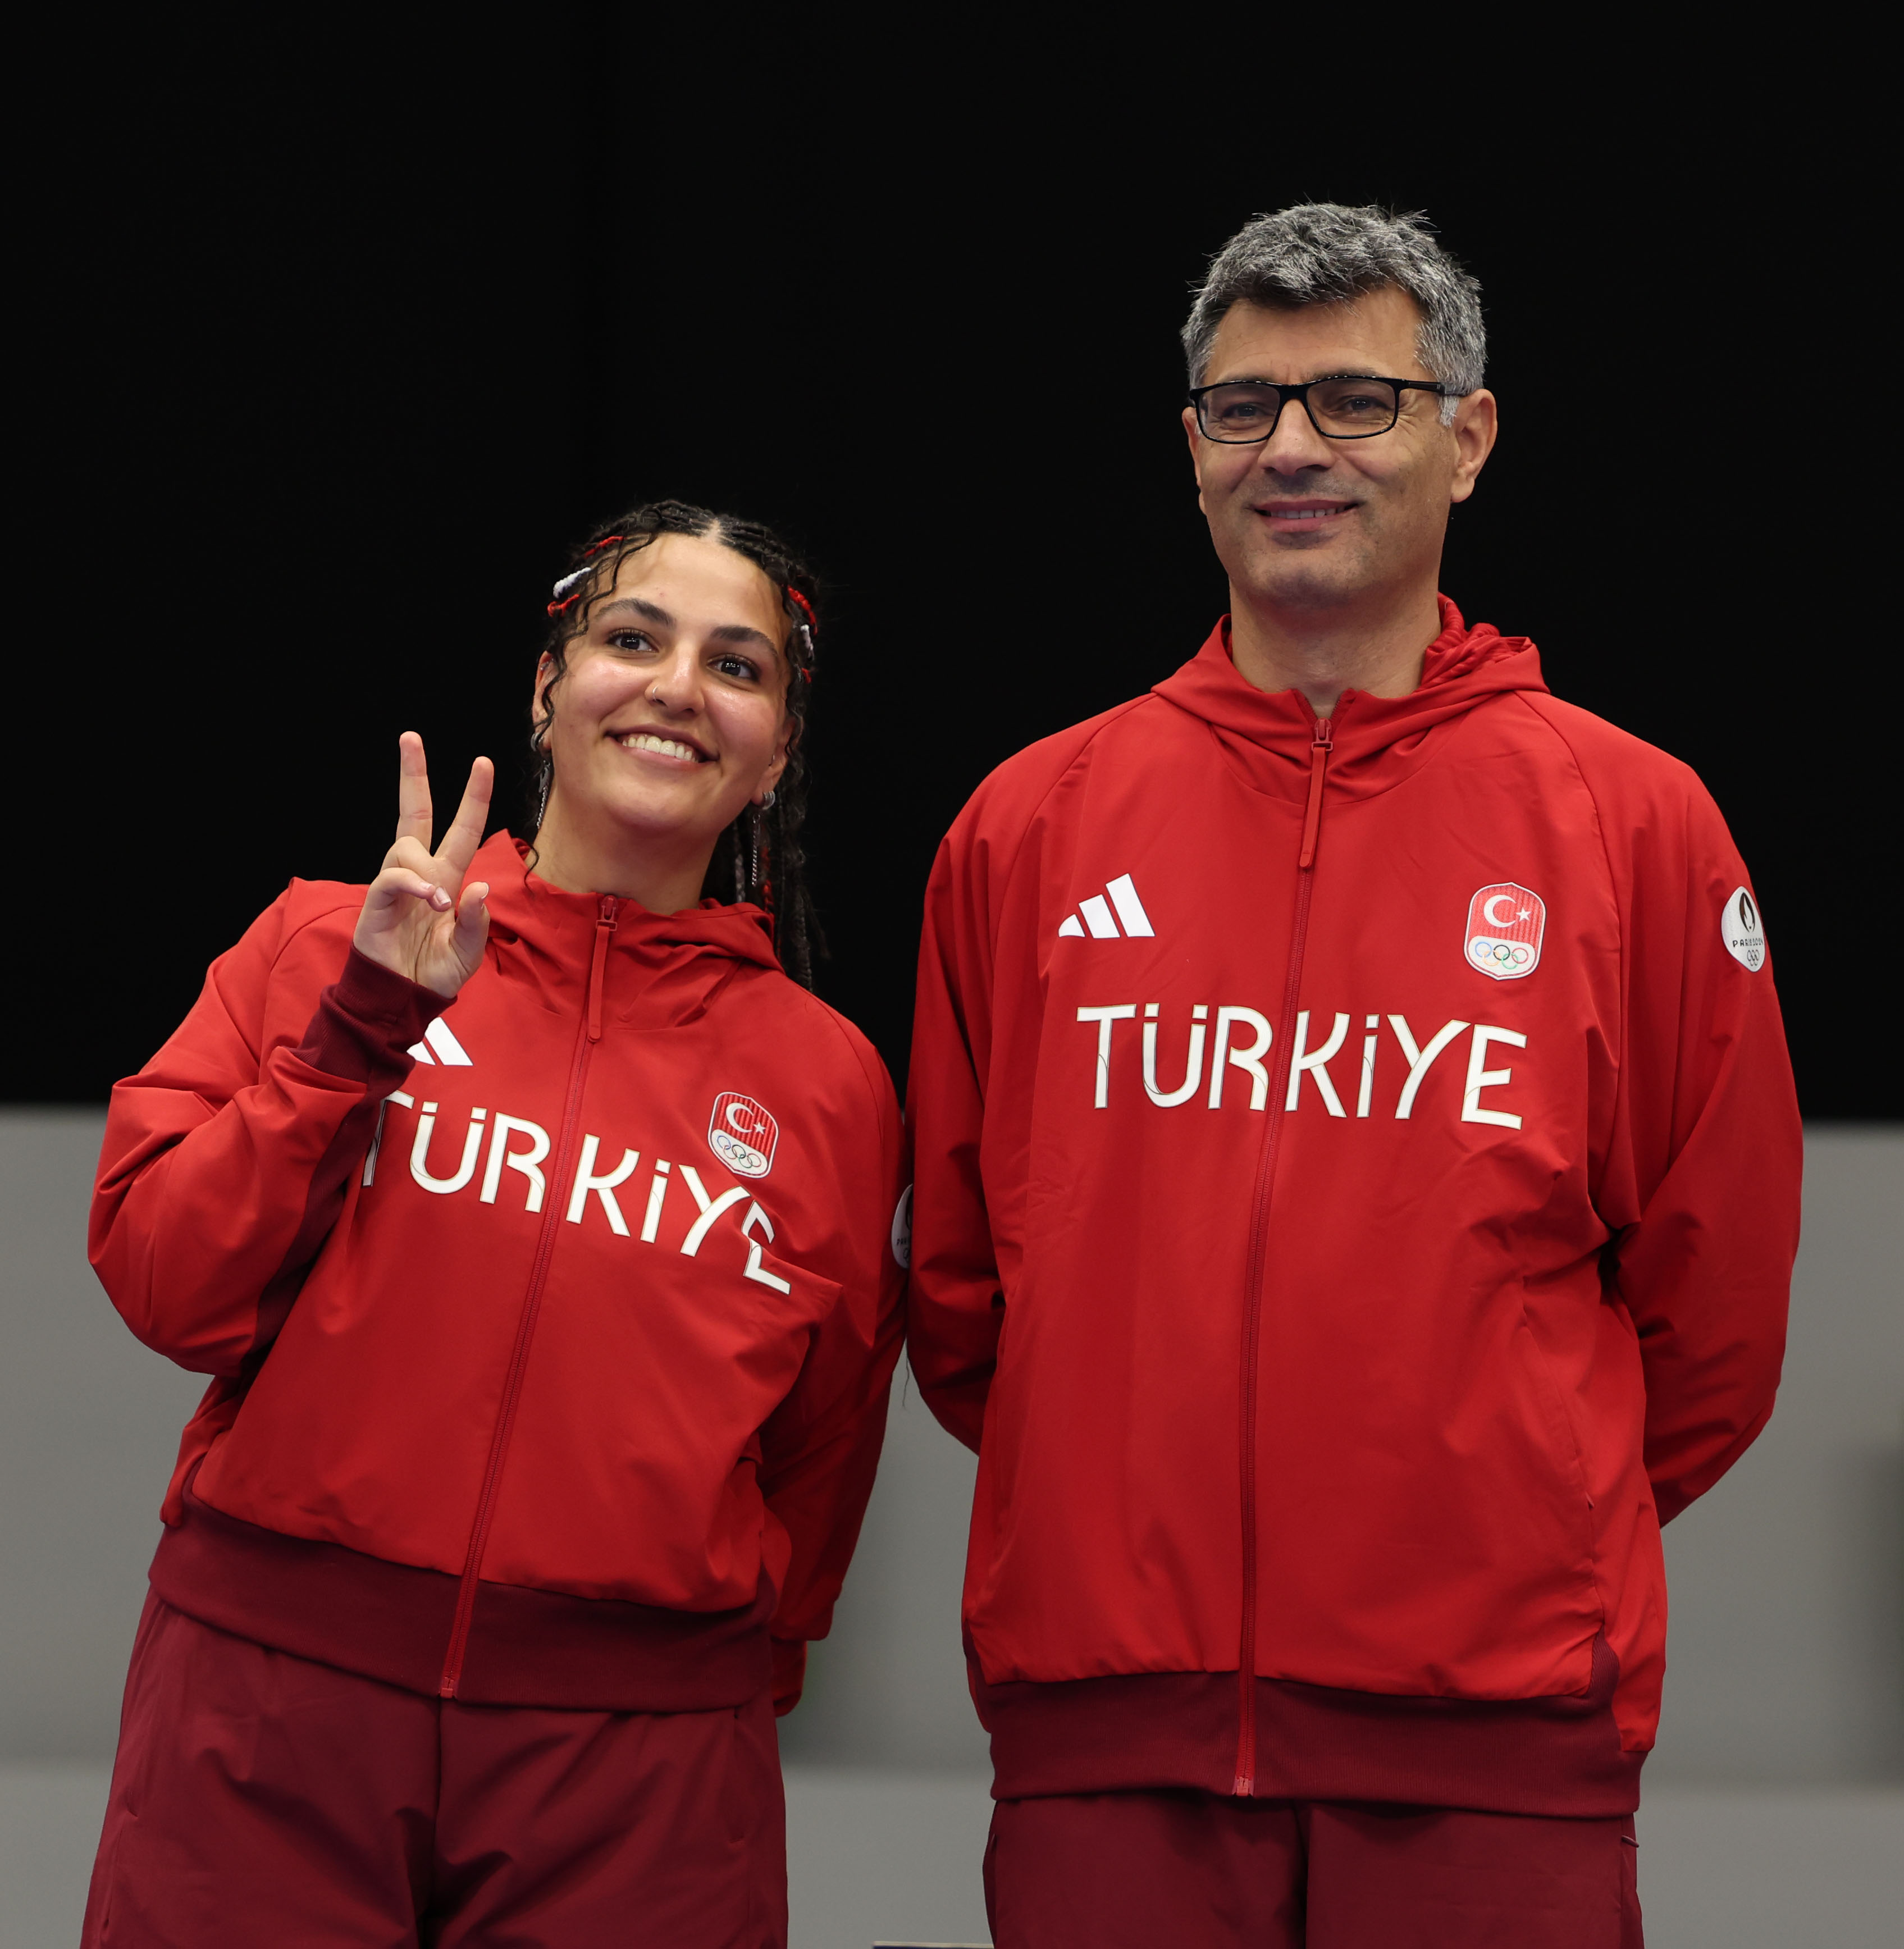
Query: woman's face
x=671 y=715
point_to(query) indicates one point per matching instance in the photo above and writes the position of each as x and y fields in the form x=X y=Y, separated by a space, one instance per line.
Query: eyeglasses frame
x=1285 y=393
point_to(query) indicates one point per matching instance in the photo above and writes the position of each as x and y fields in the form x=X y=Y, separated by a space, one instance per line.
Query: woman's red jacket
x=1357 y=1177
x=552 y=1328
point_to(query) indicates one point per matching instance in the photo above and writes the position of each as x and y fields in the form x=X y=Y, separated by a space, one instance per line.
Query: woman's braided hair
x=758 y=857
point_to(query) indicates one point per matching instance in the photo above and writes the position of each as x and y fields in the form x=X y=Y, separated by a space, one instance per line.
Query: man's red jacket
x=1357 y=1187
x=552 y=1328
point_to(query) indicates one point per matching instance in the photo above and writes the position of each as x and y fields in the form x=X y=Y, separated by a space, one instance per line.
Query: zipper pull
x=1320 y=747
x=598 y=964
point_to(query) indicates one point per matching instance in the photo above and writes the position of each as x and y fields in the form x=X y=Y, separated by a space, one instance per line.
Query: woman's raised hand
x=419 y=920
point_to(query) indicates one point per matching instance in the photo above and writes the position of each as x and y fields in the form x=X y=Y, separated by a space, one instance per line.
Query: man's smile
x=1307 y=511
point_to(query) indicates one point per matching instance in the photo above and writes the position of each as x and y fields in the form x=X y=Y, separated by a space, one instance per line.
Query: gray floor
x=880 y=1855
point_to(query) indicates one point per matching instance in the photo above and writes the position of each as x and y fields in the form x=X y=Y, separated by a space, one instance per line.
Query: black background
x=344 y=332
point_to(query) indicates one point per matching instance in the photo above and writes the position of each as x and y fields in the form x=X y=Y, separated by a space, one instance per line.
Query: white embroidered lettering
x=376 y=1136
x=604 y=1188
x=1481 y=1077
x=754 y=1269
x=1105 y=1018
x=656 y=1191
x=1367 y=1089
x=1249 y=1058
x=525 y=1161
x=1420 y=1061
x=1193 y=1068
x=711 y=1208
x=1312 y=1065
x=419 y=1152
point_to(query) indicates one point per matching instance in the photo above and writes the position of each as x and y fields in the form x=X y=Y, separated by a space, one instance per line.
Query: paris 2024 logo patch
x=1742 y=930
x=1504 y=925
x=743 y=1134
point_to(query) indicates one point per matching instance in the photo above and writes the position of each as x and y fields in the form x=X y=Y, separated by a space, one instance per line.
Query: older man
x=1357 y=1188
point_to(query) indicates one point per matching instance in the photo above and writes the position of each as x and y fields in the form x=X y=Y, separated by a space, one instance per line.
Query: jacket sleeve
x=226 y=1157
x=1703 y=1179
x=956 y=1305
x=820 y=1449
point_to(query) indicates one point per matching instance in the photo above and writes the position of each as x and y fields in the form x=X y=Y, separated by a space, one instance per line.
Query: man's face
x=1302 y=522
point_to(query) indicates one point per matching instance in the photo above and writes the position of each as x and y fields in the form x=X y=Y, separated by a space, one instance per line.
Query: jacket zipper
x=589 y=1034
x=1320 y=747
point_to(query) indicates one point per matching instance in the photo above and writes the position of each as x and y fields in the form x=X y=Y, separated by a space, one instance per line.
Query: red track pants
x=1158 y=1870
x=260 y=1798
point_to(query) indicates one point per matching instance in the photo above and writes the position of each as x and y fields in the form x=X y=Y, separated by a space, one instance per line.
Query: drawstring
x=597 y=965
x=1319 y=763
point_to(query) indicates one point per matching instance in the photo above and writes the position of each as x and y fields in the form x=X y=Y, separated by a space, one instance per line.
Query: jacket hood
x=664 y=968
x=1464 y=667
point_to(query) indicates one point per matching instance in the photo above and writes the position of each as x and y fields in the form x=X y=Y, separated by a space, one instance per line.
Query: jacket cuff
x=789 y=1673
x=366 y=1021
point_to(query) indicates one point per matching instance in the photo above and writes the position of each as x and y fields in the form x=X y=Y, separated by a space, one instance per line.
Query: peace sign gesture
x=419 y=920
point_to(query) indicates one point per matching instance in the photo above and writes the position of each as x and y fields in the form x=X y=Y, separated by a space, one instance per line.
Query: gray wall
x=1785 y=1650
x=1786 y=1661
x=90 y=1425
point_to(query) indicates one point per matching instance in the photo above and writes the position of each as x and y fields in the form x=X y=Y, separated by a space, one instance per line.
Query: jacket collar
x=669 y=967
x=1464 y=667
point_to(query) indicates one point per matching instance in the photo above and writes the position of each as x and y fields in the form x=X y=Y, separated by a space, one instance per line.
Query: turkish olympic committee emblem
x=742 y=1133
x=1504 y=925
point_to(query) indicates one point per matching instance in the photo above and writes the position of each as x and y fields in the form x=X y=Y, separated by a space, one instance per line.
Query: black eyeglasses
x=1243 y=412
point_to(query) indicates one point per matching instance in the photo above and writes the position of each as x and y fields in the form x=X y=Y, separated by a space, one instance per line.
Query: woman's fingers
x=413 y=819
x=465 y=834
x=413 y=921
x=399 y=911
x=446 y=964
x=472 y=922
x=395 y=886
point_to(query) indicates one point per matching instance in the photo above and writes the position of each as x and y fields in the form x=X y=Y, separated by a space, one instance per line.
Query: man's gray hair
x=1329 y=253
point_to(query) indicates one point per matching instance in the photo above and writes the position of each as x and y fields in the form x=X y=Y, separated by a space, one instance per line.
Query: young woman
x=539 y=1231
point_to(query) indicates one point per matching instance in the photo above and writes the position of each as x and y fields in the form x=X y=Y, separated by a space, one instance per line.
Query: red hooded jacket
x=551 y=1327
x=1358 y=1175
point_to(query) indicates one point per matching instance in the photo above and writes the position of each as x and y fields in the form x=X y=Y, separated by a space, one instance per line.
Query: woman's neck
x=664 y=878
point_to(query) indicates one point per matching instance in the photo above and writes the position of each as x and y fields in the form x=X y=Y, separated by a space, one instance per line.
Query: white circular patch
x=902 y=1228
x=1743 y=931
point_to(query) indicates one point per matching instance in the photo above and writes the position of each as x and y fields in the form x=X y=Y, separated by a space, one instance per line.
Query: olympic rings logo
x=743 y=1134
x=743 y=1157
x=1502 y=953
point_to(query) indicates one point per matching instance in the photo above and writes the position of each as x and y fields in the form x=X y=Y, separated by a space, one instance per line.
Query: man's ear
x=1196 y=452
x=1476 y=424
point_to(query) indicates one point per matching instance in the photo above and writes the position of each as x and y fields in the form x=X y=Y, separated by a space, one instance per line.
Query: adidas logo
x=1096 y=919
x=450 y=1052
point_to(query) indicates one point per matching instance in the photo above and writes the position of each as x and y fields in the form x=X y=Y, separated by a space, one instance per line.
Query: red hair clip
x=581 y=574
x=808 y=629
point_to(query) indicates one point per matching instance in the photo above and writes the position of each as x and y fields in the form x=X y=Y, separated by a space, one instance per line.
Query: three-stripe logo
x=1093 y=916
x=449 y=1052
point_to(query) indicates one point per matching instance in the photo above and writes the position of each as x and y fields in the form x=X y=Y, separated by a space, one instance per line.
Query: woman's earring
x=753 y=851
x=767 y=803
x=542 y=796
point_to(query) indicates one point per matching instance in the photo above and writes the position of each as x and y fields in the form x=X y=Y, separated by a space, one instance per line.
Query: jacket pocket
x=1560 y=1442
